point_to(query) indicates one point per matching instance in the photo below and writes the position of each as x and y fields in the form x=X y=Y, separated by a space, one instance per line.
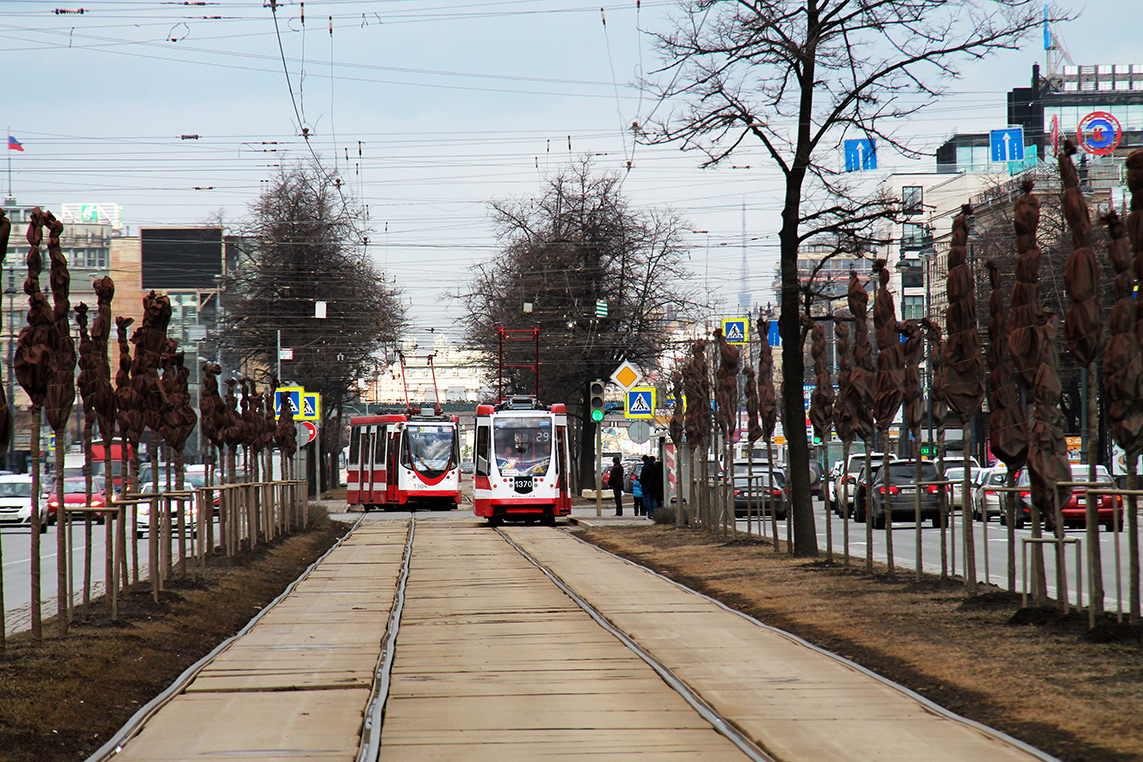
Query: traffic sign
x=626 y=375
x=307 y=432
x=295 y=394
x=286 y=353
x=600 y=308
x=639 y=432
x=311 y=407
x=860 y=154
x=734 y=330
x=775 y=338
x=1099 y=133
x=640 y=403
x=1007 y=144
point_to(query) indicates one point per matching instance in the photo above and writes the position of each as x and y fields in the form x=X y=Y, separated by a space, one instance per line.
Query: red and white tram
x=404 y=460
x=521 y=461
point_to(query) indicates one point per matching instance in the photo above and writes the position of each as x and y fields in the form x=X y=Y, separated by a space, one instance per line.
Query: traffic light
x=595 y=400
x=817 y=439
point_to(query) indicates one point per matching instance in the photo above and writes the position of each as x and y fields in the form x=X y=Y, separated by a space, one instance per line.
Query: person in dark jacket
x=615 y=481
x=650 y=481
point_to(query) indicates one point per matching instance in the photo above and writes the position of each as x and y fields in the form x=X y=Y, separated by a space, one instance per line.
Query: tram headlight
x=595 y=400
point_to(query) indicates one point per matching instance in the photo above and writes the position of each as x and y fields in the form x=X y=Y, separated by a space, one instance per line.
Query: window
x=483 y=440
x=911 y=234
x=912 y=197
x=913 y=308
x=354 y=447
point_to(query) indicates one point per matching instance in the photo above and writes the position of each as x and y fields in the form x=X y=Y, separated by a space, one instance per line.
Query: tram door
x=365 y=469
x=562 y=497
x=393 y=455
x=377 y=461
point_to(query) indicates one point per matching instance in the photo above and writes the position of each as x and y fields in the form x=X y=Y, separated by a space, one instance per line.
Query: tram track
x=723 y=725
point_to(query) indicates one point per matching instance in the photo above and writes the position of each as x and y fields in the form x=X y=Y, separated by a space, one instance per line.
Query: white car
x=954 y=472
x=839 y=475
x=16 y=502
x=190 y=517
x=986 y=500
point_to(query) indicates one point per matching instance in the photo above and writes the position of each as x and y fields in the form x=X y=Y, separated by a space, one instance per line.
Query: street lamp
x=928 y=258
x=10 y=292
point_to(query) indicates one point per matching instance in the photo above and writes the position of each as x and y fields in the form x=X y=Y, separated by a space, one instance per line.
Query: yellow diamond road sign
x=626 y=375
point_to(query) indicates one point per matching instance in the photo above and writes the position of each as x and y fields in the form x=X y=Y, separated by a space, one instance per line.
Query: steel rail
x=722 y=725
x=370 y=748
x=927 y=703
x=138 y=720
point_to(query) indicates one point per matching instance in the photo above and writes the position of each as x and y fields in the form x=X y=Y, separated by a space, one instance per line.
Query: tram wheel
x=494 y=521
x=549 y=520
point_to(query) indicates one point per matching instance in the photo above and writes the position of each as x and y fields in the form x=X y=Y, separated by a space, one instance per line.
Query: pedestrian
x=615 y=481
x=637 y=493
x=649 y=479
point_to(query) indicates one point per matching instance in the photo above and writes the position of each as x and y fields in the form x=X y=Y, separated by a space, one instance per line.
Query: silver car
x=987 y=501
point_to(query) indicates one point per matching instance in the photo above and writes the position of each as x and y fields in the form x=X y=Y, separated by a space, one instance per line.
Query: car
x=955 y=473
x=898 y=499
x=986 y=500
x=16 y=502
x=632 y=469
x=851 y=472
x=755 y=490
x=190 y=517
x=1109 y=511
x=75 y=497
x=467 y=467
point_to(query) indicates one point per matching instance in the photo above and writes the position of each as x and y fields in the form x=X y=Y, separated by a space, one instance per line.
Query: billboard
x=181 y=258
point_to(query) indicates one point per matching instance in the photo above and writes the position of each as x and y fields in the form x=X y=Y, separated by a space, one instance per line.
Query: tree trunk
x=1091 y=510
x=886 y=504
x=917 y=505
x=37 y=490
x=63 y=593
x=966 y=518
x=1132 y=539
x=868 y=514
x=844 y=503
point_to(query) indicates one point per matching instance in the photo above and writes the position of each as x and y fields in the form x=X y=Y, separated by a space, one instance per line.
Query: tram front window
x=430 y=449
x=522 y=445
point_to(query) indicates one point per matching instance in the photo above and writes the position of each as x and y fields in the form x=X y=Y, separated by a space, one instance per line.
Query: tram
x=521 y=461
x=410 y=459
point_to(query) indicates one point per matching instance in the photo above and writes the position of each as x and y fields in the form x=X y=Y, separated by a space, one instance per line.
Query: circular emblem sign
x=1099 y=133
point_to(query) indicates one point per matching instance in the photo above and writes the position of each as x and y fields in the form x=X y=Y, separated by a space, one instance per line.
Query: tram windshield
x=430 y=449
x=523 y=445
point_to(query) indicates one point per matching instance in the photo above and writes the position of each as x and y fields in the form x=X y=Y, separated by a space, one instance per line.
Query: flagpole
x=9 y=152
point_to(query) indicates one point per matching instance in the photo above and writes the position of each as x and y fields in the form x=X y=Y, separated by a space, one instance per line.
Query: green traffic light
x=597 y=415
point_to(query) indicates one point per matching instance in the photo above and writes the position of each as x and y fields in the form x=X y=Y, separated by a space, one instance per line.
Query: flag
x=14 y=145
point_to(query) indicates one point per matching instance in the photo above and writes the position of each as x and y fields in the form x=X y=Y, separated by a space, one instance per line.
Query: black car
x=757 y=490
x=899 y=498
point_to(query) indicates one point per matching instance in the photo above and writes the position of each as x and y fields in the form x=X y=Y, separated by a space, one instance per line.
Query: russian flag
x=14 y=145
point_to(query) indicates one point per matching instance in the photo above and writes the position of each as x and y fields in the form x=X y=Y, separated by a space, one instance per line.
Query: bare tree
x=579 y=243
x=798 y=77
x=305 y=243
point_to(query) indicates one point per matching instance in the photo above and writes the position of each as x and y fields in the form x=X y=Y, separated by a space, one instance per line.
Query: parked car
x=1109 y=512
x=756 y=490
x=16 y=502
x=898 y=499
x=849 y=474
x=986 y=501
x=632 y=469
x=75 y=496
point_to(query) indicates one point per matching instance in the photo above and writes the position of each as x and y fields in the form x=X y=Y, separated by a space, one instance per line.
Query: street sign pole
x=598 y=465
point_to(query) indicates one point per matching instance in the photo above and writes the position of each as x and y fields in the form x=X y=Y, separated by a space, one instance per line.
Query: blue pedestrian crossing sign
x=860 y=154
x=640 y=403
x=1007 y=144
x=734 y=330
x=311 y=407
x=294 y=393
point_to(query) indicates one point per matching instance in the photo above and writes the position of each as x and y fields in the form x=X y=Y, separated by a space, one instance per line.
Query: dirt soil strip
x=1032 y=674
x=64 y=699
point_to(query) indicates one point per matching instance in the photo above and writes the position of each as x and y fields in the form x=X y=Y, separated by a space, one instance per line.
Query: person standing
x=649 y=480
x=615 y=481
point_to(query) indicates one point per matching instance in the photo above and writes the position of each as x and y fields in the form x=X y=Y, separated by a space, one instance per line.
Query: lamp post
x=10 y=292
x=928 y=257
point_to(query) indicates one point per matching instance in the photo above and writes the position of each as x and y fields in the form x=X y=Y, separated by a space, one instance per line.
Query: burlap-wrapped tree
x=86 y=383
x=726 y=407
x=963 y=367
x=698 y=427
x=913 y=412
x=821 y=411
x=1084 y=331
x=212 y=420
x=34 y=367
x=129 y=419
x=103 y=400
x=938 y=410
x=859 y=403
x=888 y=395
x=1134 y=225
x=5 y=410
x=1024 y=337
x=753 y=434
x=845 y=424
x=1007 y=418
x=285 y=438
x=768 y=411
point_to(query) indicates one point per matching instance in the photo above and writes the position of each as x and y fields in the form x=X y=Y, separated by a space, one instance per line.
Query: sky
x=429 y=109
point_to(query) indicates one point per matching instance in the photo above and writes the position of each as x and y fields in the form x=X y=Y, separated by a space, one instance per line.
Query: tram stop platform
x=527 y=643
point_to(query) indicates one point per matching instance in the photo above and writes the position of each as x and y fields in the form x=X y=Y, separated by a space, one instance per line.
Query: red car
x=1109 y=512
x=75 y=496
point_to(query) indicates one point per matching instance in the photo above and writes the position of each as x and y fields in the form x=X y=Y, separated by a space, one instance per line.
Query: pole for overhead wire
x=279 y=354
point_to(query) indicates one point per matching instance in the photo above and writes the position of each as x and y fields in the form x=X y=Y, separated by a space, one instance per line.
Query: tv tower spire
x=745 y=302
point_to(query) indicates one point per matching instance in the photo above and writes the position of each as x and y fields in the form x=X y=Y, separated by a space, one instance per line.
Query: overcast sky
x=451 y=103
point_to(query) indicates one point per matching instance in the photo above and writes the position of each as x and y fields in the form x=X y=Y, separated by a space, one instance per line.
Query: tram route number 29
x=523 y=484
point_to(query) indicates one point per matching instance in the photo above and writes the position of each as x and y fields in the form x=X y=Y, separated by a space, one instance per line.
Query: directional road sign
x=1007 y=144
x=640 y=403
x=775 y=338
x=860 y=154
x=734 y=329
x=294 y=393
